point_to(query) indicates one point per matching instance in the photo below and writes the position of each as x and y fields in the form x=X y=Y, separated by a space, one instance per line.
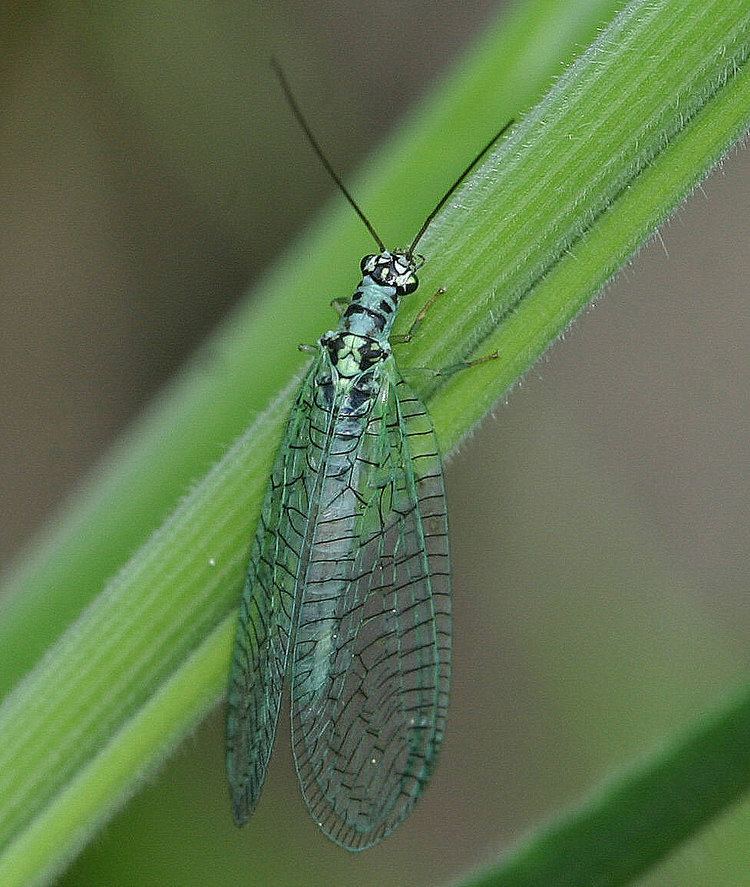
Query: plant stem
x=242 y=368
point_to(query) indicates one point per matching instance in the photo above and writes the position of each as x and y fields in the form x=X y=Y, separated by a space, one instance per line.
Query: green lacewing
x=348 y=587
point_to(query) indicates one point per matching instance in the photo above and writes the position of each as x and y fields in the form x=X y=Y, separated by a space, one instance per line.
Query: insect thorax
x=356 y=350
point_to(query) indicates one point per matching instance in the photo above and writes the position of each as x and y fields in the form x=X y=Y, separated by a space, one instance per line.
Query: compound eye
x=411 y=284
x=367 y=264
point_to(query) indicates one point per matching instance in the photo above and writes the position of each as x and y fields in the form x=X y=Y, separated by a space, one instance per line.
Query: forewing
x=268 y=601
x=371 y=668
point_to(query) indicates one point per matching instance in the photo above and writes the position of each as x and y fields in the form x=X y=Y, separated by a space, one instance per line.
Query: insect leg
x=407 y=336
x=465 y=364
x=340 y=305
x=455 y=367
x=308 y=349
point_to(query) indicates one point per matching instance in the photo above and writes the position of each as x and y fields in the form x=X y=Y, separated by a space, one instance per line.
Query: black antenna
x=455 y=185
x=319 y=151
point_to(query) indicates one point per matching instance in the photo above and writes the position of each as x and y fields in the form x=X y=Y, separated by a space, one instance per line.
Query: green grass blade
x=236 y=373
x=100 y=787
x=640 y=817
x=583 y=180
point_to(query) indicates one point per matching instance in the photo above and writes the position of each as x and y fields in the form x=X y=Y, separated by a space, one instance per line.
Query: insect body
x=350 y=564
x=348 y=587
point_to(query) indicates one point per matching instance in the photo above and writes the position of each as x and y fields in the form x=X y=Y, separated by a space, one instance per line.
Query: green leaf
x=531 y=238
x=235 y=375
x=641 y=816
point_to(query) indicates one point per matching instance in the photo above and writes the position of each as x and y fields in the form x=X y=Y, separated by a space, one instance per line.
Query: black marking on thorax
x=377 y=318
x=366 y=354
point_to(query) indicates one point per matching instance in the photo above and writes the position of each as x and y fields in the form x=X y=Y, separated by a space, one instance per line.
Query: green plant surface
x=237 y=373
x=641 y=816
x=583 y=179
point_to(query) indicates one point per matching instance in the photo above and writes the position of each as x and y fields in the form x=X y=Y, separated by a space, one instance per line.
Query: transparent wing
x=371 y=668
x=268 y=601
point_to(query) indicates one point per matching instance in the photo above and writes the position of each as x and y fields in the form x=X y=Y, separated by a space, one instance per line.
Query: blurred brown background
x=599 y=521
